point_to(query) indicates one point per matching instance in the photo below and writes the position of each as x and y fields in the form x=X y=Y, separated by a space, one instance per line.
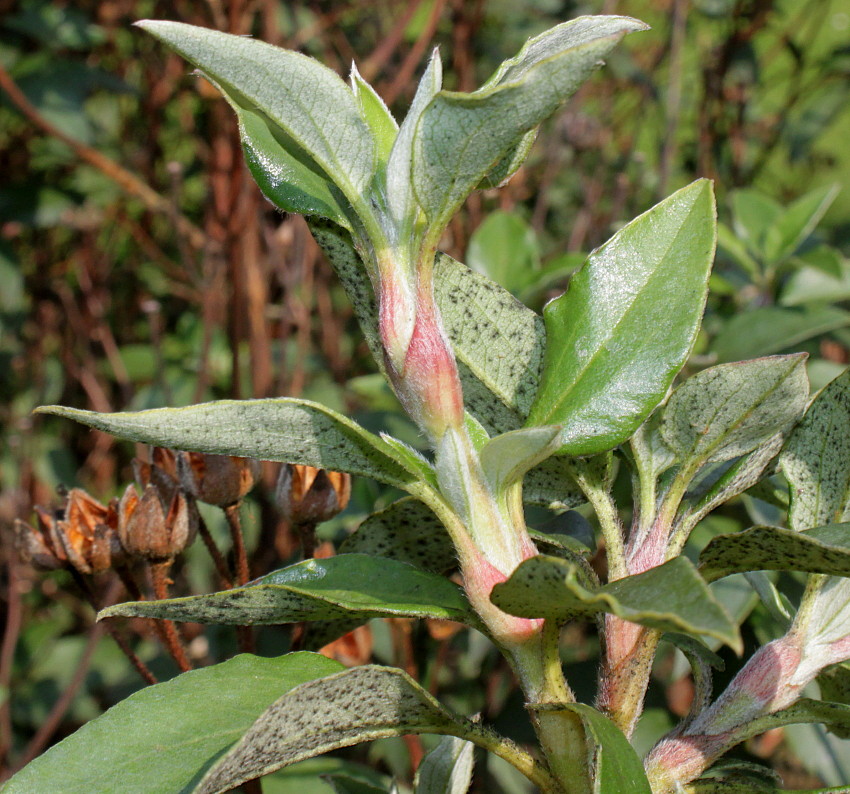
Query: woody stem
x=160 y=581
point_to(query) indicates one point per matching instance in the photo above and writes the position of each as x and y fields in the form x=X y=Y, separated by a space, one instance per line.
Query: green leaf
x=163 y=737
x=804 y=710
x=771 y=329
x=283 y=429
x=811 y=284
x=447 y=769
x=551 y=485
x=461 y=137
x=736 y=249
x=357 y=705
x=672 y=597
x=407 y=531
x=754 y=213
x=377 y=114
x=609 y=361
x=729 y=410
x=618 y=769
x=308 y=101
x=507 y=457
x=348 y=585
x=502 y=172
x=816 y=459
x=504 y=248
x=821 y=550
x=795 y=223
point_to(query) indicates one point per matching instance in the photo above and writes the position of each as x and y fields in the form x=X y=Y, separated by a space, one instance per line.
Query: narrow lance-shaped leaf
x=308 y=101
x=378 y=117
x=163 y=737
x=821 y=550
x=816 y=459
x=797 y=222
x=284 y=429
x=671 y=597
x=461 y=137
x=609 y=361
x=358 y=705
x=727 y=411
x=345 y=586
x=447 y=769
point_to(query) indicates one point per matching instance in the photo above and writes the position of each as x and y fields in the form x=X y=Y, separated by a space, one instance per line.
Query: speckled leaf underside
x=341 y=587
x=671 y=597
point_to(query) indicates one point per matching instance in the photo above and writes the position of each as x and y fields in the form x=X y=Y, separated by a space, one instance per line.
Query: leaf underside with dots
x=805 y=710
x=163 y=737
x=820 y=550
x=671 y=597
x=357 y=705
x=729 y=410
x=341 y=587
x=551 y=485
x=282 y=429
x=406 y=530
x=816 y=459
x=834 y=683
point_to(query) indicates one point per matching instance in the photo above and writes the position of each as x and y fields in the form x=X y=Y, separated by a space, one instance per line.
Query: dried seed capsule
x=153 y=527
x=221 y=480
x=307 y=495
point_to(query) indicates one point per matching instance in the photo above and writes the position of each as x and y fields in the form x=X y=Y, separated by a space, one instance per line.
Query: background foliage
x=140 y=267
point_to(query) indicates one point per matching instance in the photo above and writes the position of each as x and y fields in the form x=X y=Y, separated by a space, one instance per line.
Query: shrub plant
x=516 y=409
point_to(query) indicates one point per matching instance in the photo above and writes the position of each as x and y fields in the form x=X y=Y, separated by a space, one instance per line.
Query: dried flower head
x=307 y=495
x=221 y=480
x=156 y=527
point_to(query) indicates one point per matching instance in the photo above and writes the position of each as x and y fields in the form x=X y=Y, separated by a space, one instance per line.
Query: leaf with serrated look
x=671 y=597
x=345 y=586
x=163 y=737
x=282 y=429
x=357 y=705
x=609 y=361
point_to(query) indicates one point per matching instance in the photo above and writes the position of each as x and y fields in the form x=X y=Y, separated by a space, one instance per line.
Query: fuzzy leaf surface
x=357 y=705
x=344 y=586
x=609 y=361
x=163 y=737
x=728 y=410
x=447 y=769
x=461 y=137
x=671 y=597
x=816 y=459
x=821 y=550
x=282 y=429
x=308 y=101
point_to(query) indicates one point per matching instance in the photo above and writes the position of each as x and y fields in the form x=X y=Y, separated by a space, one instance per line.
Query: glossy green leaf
x=609 y=361
x=729 y=410
x=357 y=705
x=816 y=459
x=163 y=737
x=284 y=429
x=291 y=182
x=408 y=531
x=796 y=222
x=618 y=769
x=771 y=329
x=504 y=248
x=348 y=585
x=447 y=769
x=461 y=137
x=308 y=101
x=671 y=597
x=821 y=550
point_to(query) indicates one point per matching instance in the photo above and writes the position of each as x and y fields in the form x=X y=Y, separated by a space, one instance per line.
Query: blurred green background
x=140 y=267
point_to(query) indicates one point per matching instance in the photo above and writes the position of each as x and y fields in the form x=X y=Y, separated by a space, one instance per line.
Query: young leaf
x=506 y=458
x=609 y=361
x=816 y=459
x=618 y=768
x=795 y=223
x=821 y=550
x=283 y=429
x=729 y=410
x=447 y=769
x=671 y=597
x=308 y=101
x=408 y=531
x=461 y=137
x=358 y=705
x=345 y=586
x=378 y=117
x=803 y=711
x=163 y=737
x=770 y=329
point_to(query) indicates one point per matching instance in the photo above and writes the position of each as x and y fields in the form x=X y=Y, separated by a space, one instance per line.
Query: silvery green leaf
x=729 y=410
x=378 y=117
x=461 y=137
x=507 y=457
x=447 y=769
x=308 y=101
x=816 y=459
